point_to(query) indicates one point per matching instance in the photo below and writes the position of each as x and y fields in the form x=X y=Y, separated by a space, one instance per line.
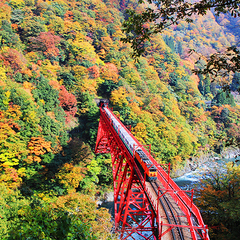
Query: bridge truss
x=136 y=208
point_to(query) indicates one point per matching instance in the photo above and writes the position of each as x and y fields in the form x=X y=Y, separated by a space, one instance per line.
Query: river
x=191 y=179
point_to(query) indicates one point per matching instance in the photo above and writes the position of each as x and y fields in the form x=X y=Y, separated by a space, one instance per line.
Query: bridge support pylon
x=134 y=215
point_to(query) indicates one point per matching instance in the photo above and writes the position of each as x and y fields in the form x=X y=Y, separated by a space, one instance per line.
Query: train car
x=143 y=162
x=146 y=164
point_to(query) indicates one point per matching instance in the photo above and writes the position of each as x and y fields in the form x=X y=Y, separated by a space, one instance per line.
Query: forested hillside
x=55 y=58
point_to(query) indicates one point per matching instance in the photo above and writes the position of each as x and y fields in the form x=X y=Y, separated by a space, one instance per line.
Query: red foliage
x=14 y=59
x=68 y=102
x=94 y=71
x=47 y=43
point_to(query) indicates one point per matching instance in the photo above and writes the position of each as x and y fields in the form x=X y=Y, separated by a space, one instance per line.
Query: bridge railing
x=182 y=199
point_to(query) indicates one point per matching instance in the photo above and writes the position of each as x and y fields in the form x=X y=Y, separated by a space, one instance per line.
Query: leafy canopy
x=160 y=14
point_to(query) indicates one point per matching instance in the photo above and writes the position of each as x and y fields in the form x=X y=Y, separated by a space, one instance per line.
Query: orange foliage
x=10 y=178
x=5 y=12
x=110 y=72
x=37 y=146
x=68 y=16
x=94 y=71
x=55 y=84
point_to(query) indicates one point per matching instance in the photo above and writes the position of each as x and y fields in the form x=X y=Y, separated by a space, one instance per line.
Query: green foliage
x=223 y=98
x=35 y=219
x=10 y=203
x=46 y=93
x=31 y=27
x=39 y=221
x=235 y=82
x=8 y=37
x=89 y=116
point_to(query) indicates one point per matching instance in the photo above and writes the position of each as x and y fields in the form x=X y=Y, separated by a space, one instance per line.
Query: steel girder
x=137 y=213
x=134 y=215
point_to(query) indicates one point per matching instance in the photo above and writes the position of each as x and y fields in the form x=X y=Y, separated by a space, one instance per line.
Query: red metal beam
x=136 y=212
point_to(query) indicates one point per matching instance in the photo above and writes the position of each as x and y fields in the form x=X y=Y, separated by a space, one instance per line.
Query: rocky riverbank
x=195 y=162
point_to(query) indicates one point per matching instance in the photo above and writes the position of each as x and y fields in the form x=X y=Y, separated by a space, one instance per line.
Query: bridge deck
x=188 y=223
x=180 y=216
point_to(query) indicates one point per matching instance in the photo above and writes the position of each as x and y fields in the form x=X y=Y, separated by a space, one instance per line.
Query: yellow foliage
x=135 y=108
x=140 y=132
x=21 y=171
x=80 y=37
x=3 y=76
x=79 y=71
x=28 y=85
x=118 y=97
x=42 y=101
x=180 y=71
x=176 y=162
x=89 y=85
x=85 y=208
x=83 y=50
x=5 y=12
x=56 y=24
x=17 y=4
x=31 y=56
x=50 y=70
x=31 y=117
x=70 y=176
x=13 y=112
x=10 y=178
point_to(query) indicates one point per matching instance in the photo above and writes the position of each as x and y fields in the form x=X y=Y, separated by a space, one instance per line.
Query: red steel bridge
x=146 y=209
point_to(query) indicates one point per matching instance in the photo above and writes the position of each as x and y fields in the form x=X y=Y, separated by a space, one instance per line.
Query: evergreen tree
x=170 y=42
x=207 y=86
x=224 y=115
x=179 y=48
x=223 y=98
x=235 y=82
x=213 y=88
x=201 y=85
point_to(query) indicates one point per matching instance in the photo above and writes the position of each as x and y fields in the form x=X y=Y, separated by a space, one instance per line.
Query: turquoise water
x=191 y=180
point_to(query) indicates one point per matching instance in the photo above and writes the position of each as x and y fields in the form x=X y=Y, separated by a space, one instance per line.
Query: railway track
x=173 y=214
x=170 y=211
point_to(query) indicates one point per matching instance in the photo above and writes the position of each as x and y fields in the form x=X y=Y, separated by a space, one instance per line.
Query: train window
x=152 y=169
x=148 y=162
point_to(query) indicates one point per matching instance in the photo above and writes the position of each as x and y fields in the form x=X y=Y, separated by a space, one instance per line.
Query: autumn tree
x=159 y=15
x=47 y=43
x=68 y=102
x=218 y=198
